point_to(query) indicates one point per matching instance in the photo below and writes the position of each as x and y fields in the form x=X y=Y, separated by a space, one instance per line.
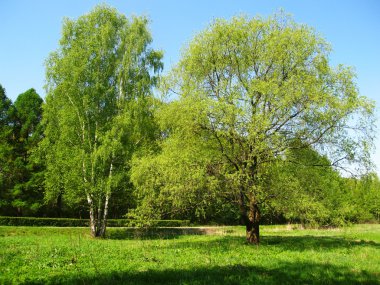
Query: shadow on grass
x=289 y=243
x=158 y=233
x=284 y=273
x=301 y=243
x=293 y=243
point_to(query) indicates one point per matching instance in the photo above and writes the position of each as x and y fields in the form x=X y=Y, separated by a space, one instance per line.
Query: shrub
x=68 y=222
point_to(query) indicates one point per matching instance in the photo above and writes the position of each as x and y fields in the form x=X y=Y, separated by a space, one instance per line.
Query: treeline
x=318 y=195
x=251 y=126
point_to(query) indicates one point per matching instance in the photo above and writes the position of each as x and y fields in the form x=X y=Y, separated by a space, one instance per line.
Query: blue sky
x=30 y=30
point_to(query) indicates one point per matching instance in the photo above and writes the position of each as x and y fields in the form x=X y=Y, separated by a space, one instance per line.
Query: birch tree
x=98 y=107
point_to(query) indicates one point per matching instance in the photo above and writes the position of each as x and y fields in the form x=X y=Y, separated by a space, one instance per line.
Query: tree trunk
x=59 y=205
x=253 y=225
x=250 y=217
x=102 y=231
x=93 y=221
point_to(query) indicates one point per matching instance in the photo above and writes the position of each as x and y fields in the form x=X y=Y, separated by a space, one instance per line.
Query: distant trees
x=307 y=189
x=98 y=111
x=362 y=197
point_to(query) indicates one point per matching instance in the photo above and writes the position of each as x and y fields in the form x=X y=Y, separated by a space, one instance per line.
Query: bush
x=155 y=223
x=67 y=222
x=50 y=222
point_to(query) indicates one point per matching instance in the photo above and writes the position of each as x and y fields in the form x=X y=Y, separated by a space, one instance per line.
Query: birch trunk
x=92 y=216
x=102 y=231
x=105 y=211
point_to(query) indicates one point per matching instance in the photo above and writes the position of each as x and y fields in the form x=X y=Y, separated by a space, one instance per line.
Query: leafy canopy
x=249 y=91
x=98 y=107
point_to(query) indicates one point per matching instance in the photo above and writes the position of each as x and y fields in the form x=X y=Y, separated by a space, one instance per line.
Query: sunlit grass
x=286 y=256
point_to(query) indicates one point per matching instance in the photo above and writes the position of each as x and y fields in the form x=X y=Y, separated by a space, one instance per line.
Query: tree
x=29 y=114
x=20 y=176
x=5 y=108
x=6 y=148
x=27 y=192
x=257 y=88
x=98 y=110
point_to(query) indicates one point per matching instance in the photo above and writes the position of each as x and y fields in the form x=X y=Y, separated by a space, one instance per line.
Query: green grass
x=45 y=255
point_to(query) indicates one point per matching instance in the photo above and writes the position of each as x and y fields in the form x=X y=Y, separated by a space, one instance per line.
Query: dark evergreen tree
x=6 y=149
x=27 y=192
x=21 y=176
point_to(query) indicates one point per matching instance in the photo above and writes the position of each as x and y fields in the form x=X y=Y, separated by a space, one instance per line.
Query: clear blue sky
x=30 y=30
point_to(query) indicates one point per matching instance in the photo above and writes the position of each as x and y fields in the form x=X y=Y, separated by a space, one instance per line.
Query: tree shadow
x=292 y=243
x=158 y=233
x=280 y=243
x=284 y=273
x=308 y=242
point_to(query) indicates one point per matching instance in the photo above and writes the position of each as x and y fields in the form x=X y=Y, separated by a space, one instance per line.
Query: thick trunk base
x=98 y=222
x=253 y=234
x=98 y=228
x=98 y=232
x=253 y=224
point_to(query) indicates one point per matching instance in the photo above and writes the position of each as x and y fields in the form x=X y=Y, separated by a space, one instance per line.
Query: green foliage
x=29 y=114
x=22 y=175
x=6 y=147
x=362 y=198
x=249 y=91
x=305 y=188
x=98 y=110
x=28 y=191
x=260 y=125
x=38 y=222
x=37 y=255
x=147 y=223
x=67 y=222
x=308 y=190
x=178 y=184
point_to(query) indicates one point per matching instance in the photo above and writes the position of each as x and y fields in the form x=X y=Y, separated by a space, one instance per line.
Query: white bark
x=105 y=212
x=92 y=217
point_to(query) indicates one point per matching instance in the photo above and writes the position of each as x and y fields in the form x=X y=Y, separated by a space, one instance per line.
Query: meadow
x=47 y=255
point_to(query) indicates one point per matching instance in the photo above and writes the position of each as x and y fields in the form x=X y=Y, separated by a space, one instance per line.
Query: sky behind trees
x=30 y=30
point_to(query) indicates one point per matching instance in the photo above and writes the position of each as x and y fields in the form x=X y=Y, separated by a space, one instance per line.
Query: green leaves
x=248 y=89
x=20 y=173
x=99 y=105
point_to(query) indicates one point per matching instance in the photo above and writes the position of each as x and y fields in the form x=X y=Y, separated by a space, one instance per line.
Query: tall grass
x=286 y=256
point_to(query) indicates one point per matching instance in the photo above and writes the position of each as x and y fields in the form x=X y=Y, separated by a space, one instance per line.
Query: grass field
x=41 y=255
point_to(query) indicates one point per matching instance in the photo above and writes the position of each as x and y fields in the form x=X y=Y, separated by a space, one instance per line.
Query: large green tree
x=253 y=89
x=98 y=109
